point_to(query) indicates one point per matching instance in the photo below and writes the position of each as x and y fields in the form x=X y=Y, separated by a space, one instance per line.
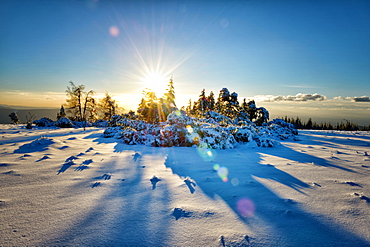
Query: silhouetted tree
x=61 y=113
x=14 y=118
x=107 y=106
x=79 y=102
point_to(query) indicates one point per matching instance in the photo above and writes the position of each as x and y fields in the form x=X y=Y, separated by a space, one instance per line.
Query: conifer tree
x=211 y=101
x=108 y=106
x=61 y=113
x=170 y=94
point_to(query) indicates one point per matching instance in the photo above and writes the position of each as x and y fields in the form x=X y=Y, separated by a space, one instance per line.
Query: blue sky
x=256 y=48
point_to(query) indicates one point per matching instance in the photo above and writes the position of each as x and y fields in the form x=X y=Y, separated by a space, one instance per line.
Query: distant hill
x=22 y=113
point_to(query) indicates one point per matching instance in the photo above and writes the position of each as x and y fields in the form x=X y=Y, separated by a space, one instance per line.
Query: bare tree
x=79 y=102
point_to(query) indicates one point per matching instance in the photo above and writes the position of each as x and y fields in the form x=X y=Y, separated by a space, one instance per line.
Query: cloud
x=361 y=99
x=354 y=99
x=297 y=97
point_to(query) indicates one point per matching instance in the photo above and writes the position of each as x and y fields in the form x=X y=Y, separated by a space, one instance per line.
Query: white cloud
x=297 y=97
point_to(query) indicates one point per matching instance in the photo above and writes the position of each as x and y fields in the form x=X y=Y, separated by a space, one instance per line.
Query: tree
x=149 y=108
x=211 y=101
x=262 y=116
x=251 y=109
x=108 y=106
x=202 y=104
x=309 y=124
x=79 y=102
x=61 y=113
x=14 y=118
x=170 y=95
x=154 y=110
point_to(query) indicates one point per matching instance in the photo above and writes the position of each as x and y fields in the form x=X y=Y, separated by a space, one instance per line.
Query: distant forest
x=310 y=124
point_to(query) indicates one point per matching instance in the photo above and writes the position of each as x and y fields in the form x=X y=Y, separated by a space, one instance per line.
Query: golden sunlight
x=156 y=82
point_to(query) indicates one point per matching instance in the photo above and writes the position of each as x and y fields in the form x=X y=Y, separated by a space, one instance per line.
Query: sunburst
x=156 y=82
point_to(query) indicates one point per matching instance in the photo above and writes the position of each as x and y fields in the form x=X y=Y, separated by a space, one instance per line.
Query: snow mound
x=215 y=131
x=42 y=141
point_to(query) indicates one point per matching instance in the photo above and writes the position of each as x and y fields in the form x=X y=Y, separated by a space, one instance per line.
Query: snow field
x=72 y=187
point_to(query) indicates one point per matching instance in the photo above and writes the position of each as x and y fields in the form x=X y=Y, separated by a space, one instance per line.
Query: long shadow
x=294 y=226
x=129 y=213
x=345 y=139
x=290 y=154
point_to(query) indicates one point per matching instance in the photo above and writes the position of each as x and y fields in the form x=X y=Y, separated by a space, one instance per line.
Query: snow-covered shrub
x=216 y=136
x=282 y=129
x=245 y=133
x=101 y=123
x=215 y=131
x=221 y=119
x=113 y=132
x=114 y=119
x=64 y=123
x=44 y=122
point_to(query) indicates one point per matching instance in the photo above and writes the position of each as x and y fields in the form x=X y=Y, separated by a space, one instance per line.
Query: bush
x=64 y=123
x=215 y=131
x=44 y=122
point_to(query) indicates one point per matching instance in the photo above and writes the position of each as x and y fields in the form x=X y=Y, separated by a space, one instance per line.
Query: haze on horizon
x=305 y=58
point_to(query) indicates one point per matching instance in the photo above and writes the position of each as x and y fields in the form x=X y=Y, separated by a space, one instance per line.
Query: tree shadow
x=113 y=219
x=254 y=202
x=285 y=152
x=331 y=139
x=66 y=166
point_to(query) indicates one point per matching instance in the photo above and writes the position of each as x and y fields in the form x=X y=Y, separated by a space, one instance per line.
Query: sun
x=156 y=82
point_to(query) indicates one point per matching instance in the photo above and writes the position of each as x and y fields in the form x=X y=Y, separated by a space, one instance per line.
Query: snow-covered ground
x=69 y=187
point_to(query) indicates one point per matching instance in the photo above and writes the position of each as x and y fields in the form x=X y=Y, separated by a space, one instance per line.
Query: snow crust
x=69 y=187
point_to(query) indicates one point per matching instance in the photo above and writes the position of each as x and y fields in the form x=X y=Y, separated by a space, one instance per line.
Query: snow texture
x=70 y=187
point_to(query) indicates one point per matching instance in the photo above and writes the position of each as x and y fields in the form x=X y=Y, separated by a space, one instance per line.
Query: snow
x=70 y=187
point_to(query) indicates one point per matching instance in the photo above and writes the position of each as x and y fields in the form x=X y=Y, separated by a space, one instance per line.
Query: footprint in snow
x=71 y=158
x=96 y=184
x=316 y=184
x=106 y=176
x=45 y=157
x=87 y=162
x=363 y=197
x=136 y=156
x=353 y=184
x=154 y=180
x=240 y=241
x=179 y=212
x=190 y=185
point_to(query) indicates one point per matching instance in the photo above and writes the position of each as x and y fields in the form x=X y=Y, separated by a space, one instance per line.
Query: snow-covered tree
x=211 y=101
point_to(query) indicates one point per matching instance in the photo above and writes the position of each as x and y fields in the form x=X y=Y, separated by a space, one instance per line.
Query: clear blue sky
x=251 y=47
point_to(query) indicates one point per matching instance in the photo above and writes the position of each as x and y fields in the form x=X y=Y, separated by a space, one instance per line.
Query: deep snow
x=74 y=187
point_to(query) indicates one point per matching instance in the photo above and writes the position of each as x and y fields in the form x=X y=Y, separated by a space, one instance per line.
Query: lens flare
x=114 y=31
x=222 y=172
x=206 y=152
x=245 y=207
x=235 y=181
x=216 y=167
